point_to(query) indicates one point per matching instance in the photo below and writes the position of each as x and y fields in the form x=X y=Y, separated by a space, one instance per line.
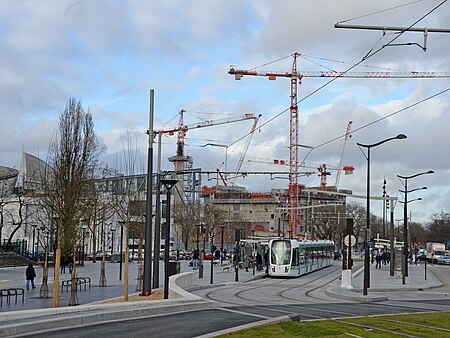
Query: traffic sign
x=351 y=239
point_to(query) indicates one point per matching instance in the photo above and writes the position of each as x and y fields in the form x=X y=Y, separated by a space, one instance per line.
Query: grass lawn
x=433 y=325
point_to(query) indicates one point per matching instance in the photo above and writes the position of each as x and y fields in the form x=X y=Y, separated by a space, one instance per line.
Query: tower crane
x=241 y=160
x=321 y=168
x=180 y=160
x=347 y=136
x=296 y=78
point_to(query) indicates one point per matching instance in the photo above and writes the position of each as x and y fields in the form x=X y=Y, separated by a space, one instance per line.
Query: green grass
x=356 y=327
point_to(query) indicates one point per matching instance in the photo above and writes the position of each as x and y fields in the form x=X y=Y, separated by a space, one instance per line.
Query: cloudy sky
x=110 y=53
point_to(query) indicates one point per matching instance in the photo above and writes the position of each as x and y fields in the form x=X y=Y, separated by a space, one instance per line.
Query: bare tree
x=439 y=226
x=358 y=213
x=73 y=158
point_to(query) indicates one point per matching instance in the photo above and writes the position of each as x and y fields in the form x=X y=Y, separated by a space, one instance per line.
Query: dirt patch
x=156 y=295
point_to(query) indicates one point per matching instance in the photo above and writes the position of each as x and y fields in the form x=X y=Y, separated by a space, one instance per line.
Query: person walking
x=378 y=260
x=195 y=260
x=63 y=264
x=30 y=275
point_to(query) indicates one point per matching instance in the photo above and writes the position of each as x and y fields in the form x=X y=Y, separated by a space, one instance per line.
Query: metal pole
x=166 y=246
x=112 y=241
x=366 y=283
x=405 y=230
x=34 y=234
x=157 y=219
x=391 y=259
x=147 y=288
x=211 y=280
x=221 y=247
x=121 y=250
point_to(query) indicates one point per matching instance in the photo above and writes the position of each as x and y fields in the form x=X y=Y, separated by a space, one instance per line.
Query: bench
x=79 y=281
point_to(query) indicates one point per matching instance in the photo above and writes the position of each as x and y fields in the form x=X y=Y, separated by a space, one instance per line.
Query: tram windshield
x=281 y=253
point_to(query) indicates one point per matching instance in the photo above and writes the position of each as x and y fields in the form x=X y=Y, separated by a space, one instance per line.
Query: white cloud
x=110 y=53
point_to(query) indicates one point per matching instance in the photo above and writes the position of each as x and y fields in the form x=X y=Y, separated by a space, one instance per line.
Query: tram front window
x=281 y=253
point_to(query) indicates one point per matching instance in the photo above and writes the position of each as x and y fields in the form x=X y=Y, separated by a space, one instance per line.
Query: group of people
x=379 y=258
x=67 y=260
x=259 y=260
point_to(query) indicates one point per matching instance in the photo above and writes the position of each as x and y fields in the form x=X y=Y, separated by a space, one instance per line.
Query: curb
x=350 y=295
x=269 y=321
x=37 y=321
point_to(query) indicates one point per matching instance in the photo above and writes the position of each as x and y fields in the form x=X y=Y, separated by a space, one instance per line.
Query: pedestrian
x=70 y=264
x=195 y=260
x=63 y=264
x=30 y=274
x=378 y=261
x=266 y=260
x=259 y=260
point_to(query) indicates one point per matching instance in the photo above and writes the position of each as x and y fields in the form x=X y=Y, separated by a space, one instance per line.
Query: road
x=301 y=298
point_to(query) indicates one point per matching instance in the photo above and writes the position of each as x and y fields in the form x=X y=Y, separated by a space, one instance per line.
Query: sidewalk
x=36 y=314
x=381 y=283
x=27 y=318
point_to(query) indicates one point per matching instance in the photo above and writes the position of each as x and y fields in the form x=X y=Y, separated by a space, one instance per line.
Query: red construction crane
x=296 y=78
x=321 y=168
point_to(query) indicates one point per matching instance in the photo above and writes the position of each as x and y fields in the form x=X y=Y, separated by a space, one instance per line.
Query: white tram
x=291 y=258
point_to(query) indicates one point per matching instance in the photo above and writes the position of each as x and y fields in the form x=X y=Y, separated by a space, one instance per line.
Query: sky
x=110 y=53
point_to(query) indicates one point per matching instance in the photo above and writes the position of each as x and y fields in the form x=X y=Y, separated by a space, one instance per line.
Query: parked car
x=444 y=260
x=99 y=255
x=421 y=257
x=172 y=255
x=337 y=255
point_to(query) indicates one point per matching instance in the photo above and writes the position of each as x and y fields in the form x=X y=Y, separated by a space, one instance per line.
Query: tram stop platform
x=382 y=283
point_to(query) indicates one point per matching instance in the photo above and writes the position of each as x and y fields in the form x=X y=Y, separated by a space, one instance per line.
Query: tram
x=292 y=258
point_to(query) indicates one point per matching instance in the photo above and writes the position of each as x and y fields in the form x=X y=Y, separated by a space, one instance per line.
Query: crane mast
x=296 y=77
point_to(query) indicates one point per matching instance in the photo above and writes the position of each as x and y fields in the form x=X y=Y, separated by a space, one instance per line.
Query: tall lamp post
x=366 y=283
x=168 y=183
x=83 y=251
x=112 y=240
x=33 y=248
x=222 y=228
x=405 y=216
x=121 y=249
x=405 y=243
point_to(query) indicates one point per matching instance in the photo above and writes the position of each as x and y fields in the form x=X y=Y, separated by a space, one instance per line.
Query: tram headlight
x=286 y=269
x=273 y=269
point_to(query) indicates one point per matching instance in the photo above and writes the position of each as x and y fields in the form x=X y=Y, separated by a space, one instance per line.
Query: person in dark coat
x=266 y=260
x=30 y=274
x=259 y=263
x=63 y=264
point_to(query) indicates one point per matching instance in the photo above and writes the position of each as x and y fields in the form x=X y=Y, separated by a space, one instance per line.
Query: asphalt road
x=301 y=298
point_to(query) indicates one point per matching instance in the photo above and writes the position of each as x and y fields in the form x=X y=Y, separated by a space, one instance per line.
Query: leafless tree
x=73 y=159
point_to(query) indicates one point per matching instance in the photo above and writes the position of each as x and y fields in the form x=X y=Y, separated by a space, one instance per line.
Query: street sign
x=351 y=239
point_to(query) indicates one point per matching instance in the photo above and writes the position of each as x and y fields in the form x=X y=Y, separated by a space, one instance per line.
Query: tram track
x=307 y=293
x=241 y=295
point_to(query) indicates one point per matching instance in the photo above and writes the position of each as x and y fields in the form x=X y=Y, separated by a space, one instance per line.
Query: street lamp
x=405 y=216
x=112 y=240
x=366 y=240
x=121 y=249
x=222 y=228
x=34 y=234
x=83 y=253
x=168 y=183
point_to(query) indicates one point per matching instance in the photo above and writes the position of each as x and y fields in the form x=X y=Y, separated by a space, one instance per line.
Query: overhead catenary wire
x=368 y=55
